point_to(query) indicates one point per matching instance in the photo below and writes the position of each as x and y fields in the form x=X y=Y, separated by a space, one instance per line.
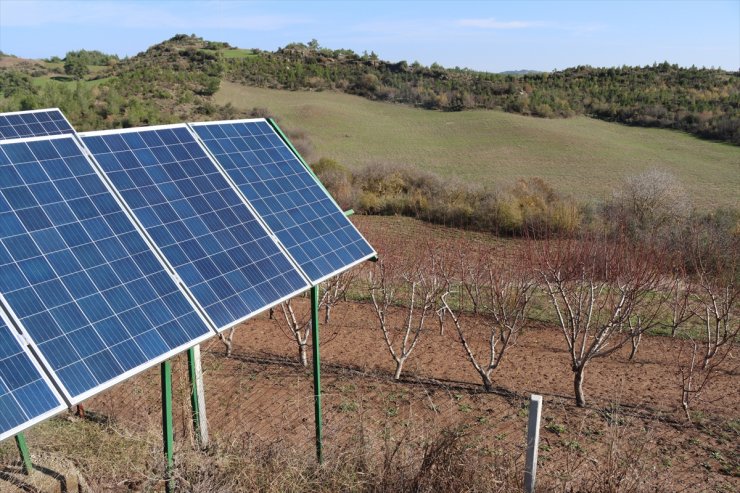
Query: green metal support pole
x=194 y=391
x=317 y=373
x=20 y=441
x=167 y=431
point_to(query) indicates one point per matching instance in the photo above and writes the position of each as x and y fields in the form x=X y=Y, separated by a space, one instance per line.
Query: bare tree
x=696 y=372
x=335 y=290
x=715 y=303
x=502 y=291
x=712 y=298
x=297 y=321
x=678 y=301
x=716 y=291
x=404 y=293
x=227 y=338
x=596 y=287
x=671 y=294
x=649 y=204
x=299 y=328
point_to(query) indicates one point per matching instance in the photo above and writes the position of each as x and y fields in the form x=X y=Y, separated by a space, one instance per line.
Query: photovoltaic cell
x=35 y=123
x=25 y=395
x=288 y=197
x=78 y=275
x=200 y=223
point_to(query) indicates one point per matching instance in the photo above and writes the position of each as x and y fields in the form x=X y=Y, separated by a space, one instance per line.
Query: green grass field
x=237 y=53
x=580 y=156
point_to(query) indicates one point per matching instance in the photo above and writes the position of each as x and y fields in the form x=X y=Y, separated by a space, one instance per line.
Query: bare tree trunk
x=635 y=343
x=227 y=340
x=399 y=368
x=441 y=318
x=302 y=354
x=487 y=382
x=578 y=387
x=685 y=405
x=327 y=314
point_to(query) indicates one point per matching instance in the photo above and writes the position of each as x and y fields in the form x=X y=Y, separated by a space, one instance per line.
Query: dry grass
x=620 y=454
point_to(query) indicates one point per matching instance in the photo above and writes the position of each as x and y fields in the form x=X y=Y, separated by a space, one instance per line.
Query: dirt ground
x=538 y=363
x=262 y=395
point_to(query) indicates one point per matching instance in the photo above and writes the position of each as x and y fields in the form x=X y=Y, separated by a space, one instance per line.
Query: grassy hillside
x=580 y=156
x=176 y=81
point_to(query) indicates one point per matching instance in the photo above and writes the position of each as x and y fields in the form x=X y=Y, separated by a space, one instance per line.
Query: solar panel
x=287 y=196
x=26 y=394
x=87 y=289
x=218 y=247
x=34 y=123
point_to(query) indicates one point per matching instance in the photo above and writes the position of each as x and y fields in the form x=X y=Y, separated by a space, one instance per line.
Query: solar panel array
x=35 y=123
x=205 y=230
x=25 y=394
x=287 y=196
x=77 y=273
x=115 y=260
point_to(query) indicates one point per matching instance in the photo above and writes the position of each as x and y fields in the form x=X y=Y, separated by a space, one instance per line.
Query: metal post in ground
x=27 y=465
x=167 y=430
x=197 y=396
x=533 y=442
x=316 y=373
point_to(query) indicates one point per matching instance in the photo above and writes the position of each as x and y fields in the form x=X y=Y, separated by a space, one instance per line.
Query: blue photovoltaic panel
x=36 y=123
x=295 y=206
x=205 y=230
x=78 y=275
x=25 y=396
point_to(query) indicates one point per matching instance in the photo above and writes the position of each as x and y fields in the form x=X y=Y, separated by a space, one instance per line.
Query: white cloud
x=492 y=23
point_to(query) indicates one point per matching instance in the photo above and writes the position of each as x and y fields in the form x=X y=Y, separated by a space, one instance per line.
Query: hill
x=188 y=78
x=579 y=156
x=705 y=102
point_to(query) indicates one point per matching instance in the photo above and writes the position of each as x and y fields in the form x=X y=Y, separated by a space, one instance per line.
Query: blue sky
x=484 y=35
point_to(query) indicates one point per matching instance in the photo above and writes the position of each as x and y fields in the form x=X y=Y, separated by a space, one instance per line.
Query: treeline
x=704 y=102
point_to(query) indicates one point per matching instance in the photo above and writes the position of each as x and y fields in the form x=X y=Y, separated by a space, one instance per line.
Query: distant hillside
x=703 y=102
x=581 y=157
x=171 y=81
x=178 y=77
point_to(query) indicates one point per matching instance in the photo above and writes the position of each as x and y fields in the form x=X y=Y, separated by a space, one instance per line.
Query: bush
x=336 y=178
x=648 y=206
x=396 y=190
